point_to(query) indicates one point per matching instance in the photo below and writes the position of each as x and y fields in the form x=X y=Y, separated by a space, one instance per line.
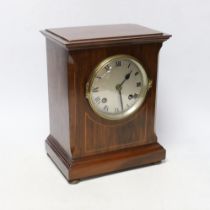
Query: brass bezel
x=146 y=85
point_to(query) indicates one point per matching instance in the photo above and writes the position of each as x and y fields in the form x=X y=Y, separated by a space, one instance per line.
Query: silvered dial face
x=118 y=87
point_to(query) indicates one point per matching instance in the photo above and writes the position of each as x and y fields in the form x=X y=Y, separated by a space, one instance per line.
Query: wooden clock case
x=81 y=143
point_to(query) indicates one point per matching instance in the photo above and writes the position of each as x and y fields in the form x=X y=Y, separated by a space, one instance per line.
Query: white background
x=30 y=181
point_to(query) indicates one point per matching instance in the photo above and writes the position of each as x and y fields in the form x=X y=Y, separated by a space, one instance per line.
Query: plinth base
x=96 y=165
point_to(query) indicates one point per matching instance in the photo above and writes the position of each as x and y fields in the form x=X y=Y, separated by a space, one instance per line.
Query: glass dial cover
x=117 y=87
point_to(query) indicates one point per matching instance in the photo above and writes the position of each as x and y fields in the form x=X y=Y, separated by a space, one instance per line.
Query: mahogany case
x=81 y=143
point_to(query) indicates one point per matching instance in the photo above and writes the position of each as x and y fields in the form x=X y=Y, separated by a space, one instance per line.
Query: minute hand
x=121 y=102
x=127 y=76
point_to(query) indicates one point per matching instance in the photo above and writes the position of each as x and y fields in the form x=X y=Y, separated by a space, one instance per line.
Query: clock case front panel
x=93 y=134
x=83 y=144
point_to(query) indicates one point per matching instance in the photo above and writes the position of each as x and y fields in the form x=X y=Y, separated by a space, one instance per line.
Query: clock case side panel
x=94 y=135
x=151 y=63
x=58 y=141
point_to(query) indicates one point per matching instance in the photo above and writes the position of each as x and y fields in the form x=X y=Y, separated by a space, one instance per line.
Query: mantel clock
x=102 y=88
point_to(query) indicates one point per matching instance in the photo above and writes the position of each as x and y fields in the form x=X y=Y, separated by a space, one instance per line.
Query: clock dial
x=117 y=87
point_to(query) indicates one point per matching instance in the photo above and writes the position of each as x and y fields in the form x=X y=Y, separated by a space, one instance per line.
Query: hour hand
x=127 y=76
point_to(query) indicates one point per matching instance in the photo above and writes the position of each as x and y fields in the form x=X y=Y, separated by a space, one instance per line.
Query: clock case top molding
x=81 y=143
